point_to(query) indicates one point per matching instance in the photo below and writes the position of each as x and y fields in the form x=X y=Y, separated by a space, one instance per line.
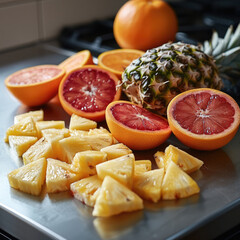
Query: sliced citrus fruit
x=77 y=60
x=204 y=119
x=86 y=91
x=135 y=126
x=35 y=85
x=117 y=60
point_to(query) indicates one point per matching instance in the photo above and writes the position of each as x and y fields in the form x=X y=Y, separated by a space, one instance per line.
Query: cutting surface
x=60 y=216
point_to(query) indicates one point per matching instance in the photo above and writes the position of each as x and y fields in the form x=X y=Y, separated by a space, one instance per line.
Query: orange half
x=77 y=60
x=117 y=60
x=35 y=85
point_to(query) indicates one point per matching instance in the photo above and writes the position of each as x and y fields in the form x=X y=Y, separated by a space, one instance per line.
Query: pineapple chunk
x=78 y=133
x=51 y=132
x=36 y=115
x=142 y=166
x=177 y=184
x=101 y=130
x=85 y=162
x=148 y=184
x=80 y=123
x=159 y=159
x=116 y=150
x=42 y=148
x=184 y=160
x=87 y=190
x=121 y=169
x=29 y=178
x=41 y=125
x=26 y=127
x=97 y=142
x=115 y=198
x=20 y=144
x=70 y=146
x=59 y=176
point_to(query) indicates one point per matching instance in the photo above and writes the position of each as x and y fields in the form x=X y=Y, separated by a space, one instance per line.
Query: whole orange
x=144 y=24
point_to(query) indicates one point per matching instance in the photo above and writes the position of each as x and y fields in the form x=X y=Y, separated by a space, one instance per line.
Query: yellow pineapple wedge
x=142 y=166
x=85 y=162
x=148 y=184
x=97 y=142
x=37 y=115
x=42 y=148
x=59 y=176
x=51 y=132
x=70 y=146
x=29 y=178
x=87 y=190
x=26 y=127
x=185 y=161
x=121 y=169
x=41 y=125
x=177 y=184
x=101 y=130
x=115 y=198
x=116 y=151
x=78 y=133
x=159 y=159
x=80 y=123
x=20 y=144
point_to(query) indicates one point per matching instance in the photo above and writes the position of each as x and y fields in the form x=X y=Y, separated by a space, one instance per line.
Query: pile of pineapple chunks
x=94 y=166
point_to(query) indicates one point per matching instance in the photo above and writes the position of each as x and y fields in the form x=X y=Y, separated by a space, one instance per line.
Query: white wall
x=27 y=21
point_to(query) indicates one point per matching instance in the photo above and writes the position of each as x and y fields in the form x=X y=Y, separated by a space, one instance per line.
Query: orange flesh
x=34 y=75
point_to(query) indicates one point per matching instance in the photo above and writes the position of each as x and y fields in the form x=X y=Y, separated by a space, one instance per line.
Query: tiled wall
x=27 y=21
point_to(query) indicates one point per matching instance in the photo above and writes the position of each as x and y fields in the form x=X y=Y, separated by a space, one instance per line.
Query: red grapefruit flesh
x=86 y=91
x=204 y=119
x=136 y=127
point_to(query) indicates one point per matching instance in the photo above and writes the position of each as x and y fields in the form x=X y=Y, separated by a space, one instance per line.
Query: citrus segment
x=87 y=91
x=35 y=85
x=204 y=119
x=136 y=127
x=117 y=60
x=77 y=60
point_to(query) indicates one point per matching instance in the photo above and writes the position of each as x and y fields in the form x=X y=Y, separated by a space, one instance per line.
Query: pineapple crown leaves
x=225 y=51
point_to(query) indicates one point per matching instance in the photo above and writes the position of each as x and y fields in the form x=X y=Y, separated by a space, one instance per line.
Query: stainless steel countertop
x=59 y=216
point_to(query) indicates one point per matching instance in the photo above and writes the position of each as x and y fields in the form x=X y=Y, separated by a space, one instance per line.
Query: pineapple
x=78 y=133
x=163 y=72
x=29 y=178
x=115 y=198
x=36 y=115
x=51 y=132
x=26 y=127
x=116 y=150
x=185 y=161
x=101 y=130
x=20 y=144
x=42 y=148
x=41 y=125
x=85 y=162
x=97 y=142
x=59 y=176
x=177 y=184
x=148 y=184
x=142 y=166
x=87 y=190
x=80 y=123
x=121 y=169
x=159 y=159
x=69 y=146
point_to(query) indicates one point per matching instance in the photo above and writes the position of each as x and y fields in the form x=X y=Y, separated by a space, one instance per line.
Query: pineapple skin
x=163 y=72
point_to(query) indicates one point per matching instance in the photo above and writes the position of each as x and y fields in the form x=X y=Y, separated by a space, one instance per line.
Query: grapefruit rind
x=135 y=139
x=95 y=116
x=201 y=141
x=37 y=93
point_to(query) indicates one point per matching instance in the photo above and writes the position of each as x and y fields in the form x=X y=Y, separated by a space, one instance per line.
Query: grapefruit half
x=135 y=126
x=204 y=119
